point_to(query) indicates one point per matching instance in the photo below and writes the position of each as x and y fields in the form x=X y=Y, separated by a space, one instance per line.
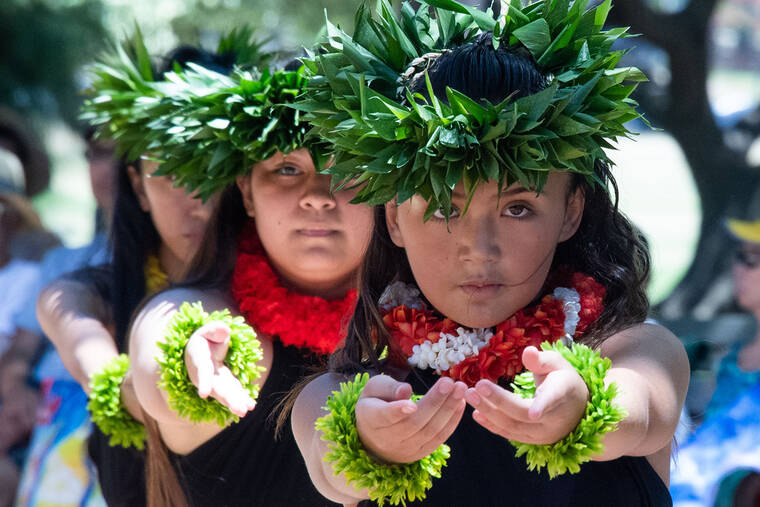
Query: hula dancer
x=502 y=284
x=282 y=251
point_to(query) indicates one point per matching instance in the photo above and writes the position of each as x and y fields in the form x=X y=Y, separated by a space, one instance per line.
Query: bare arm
x=78 y=322
x=651 y=369
x=392 y=428
x=148 y=330
x=307 y=409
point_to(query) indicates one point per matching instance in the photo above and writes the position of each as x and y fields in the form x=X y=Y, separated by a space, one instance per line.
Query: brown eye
x=517 y=211
x=440 y=214
x=288 y=170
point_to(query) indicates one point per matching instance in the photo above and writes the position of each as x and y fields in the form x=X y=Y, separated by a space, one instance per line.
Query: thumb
x=386 y=388
x=542 y=363
x=216 y=331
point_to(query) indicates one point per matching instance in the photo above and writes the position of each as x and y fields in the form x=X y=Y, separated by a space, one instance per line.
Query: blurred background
x=678 y=182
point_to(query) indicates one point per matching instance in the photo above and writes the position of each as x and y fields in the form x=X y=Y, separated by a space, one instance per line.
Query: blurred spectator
x=26 y=172
x=740 y=368
x=16 y=277
x=718 y=465
x=19 y=139
x=31 y=362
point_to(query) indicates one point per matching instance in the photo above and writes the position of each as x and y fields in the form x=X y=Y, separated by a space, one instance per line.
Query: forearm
x=652 y=384
x=77 y=323
x=306 y=411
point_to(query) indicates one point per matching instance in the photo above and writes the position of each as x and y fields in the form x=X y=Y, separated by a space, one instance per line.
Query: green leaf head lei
x=391 y=143
x=204 y=127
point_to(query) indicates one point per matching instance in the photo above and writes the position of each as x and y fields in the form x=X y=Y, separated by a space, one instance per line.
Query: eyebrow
x=519 y=189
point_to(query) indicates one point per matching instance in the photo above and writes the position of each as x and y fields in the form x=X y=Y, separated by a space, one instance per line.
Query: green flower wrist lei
x=106 y=409
x=395 y=483
x=601 y=416
x=242 y=356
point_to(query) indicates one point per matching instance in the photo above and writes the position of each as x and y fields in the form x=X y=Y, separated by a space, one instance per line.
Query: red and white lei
x=421 y=339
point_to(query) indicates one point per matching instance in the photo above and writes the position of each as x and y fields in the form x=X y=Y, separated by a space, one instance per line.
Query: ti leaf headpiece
x=396 y=145
x=204 y=127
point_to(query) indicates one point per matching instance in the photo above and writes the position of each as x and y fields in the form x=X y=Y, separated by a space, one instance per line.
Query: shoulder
x=646 y=335
x=158 y=309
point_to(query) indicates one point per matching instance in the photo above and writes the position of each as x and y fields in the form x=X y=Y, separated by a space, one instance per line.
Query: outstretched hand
x=557 y=408
x=398 y=430
x=204 y=359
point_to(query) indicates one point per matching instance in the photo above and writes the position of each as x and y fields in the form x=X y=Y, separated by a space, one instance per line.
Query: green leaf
x=535 y=36
x=483 y=20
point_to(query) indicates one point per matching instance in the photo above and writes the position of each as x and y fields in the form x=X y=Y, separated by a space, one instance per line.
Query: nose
x=476 y=239
x=199 y=209
x=317 y=195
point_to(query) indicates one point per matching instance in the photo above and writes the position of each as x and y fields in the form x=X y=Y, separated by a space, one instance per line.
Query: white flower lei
x=451 y=349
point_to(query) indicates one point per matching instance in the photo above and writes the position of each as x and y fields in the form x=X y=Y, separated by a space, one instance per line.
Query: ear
x=391 y=221
x=246 y=189
x=138 y=185
x=573 y=214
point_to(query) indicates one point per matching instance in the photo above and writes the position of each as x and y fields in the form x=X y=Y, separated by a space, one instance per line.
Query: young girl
x=155 y=232
x=499 y=233
x=283 y=251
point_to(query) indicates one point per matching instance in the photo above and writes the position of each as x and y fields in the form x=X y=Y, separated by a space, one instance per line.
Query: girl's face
x=179 y=218
x=482 y=267
x=315 y=239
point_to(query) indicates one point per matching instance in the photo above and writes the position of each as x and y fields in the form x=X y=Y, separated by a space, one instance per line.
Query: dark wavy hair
x=606 y=246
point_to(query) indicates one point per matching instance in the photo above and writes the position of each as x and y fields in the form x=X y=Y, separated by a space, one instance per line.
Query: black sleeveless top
x=483 y=470
x=246 y=464
x=121 y=471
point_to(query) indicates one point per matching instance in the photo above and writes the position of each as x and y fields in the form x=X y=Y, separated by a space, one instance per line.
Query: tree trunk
x=725 y=184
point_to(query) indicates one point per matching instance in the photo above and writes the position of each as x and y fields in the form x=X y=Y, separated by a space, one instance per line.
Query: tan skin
x=315 y=240
x=489 y=263
x=76 y=320
x=746 y=283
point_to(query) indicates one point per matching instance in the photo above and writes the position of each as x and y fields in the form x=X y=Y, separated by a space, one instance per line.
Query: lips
x=481 y=287
x=317 y=233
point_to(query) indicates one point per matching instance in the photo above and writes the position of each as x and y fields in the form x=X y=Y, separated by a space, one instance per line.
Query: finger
x=493 y=400
x=453 y=406
x=543 y=362
x=386 y=388
x=504 y=429
x=548 y=396
x=215 y=331
x=433 y=404
x=200 y=366
x=230 y=393
x=382 y=414
x=441 y=427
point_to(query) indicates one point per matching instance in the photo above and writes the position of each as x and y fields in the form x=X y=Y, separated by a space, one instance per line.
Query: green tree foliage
x=43 y=44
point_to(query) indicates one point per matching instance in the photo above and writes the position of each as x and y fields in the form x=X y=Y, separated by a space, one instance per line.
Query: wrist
x=602 y=414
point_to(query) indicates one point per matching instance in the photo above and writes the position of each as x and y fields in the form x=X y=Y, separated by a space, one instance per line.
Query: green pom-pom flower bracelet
x=602 y=414
x=392 y=483
x=107 y=410
x=242 y=357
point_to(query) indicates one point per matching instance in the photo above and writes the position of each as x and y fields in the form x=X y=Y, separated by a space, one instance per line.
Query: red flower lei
x=302 y=321
x=502 y=356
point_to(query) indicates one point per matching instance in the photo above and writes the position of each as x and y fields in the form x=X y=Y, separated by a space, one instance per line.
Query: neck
x=328 y=290
x=172 y=265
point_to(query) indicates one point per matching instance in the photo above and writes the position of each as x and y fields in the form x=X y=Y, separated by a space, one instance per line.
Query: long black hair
x=606 y=246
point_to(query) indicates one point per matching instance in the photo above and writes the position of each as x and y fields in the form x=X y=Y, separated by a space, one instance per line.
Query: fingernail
x=484 y=389
x=473 y=398
x=445 y=387
x=408 y=409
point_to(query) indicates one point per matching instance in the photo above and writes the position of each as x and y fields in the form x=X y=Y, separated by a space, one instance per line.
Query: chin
x=481 y=319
